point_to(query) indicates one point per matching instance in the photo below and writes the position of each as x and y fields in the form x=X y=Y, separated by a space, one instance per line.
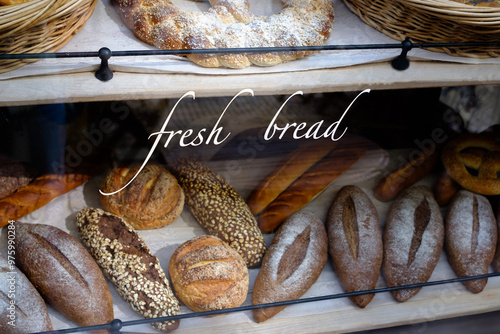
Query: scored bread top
x=207 y=274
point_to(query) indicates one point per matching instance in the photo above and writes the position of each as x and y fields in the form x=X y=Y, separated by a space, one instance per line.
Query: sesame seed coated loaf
x=128 y=263
x=220 y=210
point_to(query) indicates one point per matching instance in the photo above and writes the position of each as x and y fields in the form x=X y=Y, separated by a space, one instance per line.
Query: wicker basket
x=40 y=26
x=434 y=21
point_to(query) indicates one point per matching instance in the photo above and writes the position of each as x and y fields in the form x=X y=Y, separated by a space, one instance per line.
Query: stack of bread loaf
x=212 y=271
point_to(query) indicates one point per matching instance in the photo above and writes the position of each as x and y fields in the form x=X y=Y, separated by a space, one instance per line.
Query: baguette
x=220 y=210
x=23 y=309
x=297 y=255
x=310 y=184
x=64 y=273
x=288 y=170
x=38 y=193
x=471 y=237
x=407 y=175
x=413 y=240
x=128 y=263
x=355 y=242
x=445 y=188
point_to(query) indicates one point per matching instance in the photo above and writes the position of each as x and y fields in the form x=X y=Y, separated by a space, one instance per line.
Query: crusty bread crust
x=471 y=237
x=355 y=242
x=413 y=240
x=64 y=273
x=153 y=200
x=128 y=263
x=207 y=274
x=220 y=210
x=297 y=255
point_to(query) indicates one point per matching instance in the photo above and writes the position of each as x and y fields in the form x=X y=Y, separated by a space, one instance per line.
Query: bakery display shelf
x=84 y=87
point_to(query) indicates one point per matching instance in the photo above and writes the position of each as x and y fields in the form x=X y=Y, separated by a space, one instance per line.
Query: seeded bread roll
x=220 y=210
x=23 y=309
x=64 y=273
x=208 y=275
x=413 y=240
x=471 y=237
x=355 y=242
x=154 y=198
x=128 y=263
x=297 y=255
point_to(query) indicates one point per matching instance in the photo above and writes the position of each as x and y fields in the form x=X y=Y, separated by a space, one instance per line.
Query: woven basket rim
x=453 y=7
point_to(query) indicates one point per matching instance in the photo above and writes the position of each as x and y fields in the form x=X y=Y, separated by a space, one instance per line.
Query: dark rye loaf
x=413 y=240
x=355 y=242
x=471 y=237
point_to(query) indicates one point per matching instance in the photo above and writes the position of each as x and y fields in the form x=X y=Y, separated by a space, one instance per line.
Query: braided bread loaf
x=230 y=24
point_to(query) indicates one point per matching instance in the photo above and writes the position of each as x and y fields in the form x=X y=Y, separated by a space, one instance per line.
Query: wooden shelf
x=84 y=87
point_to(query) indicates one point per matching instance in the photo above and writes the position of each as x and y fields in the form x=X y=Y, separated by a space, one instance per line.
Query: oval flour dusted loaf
x=471 y=237
x=413 y=240
x=128 y=263
x=220 y=210
x=23 y=309
x=208 y=275
x=64 y=273
x=294 y=261
x=355 y=242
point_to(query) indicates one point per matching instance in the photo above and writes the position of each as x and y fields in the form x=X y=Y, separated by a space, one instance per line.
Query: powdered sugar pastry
x=230 y=24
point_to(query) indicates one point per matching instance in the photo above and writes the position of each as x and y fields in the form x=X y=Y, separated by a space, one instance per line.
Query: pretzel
x=230 y=24
x=473 y=161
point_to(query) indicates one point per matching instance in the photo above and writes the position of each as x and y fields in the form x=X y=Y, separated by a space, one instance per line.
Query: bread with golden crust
x=152 y=200
x=41 y=191
x=207 y=274
x=230 y=24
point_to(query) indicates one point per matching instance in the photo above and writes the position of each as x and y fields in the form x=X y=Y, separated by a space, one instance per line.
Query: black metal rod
x=240 y=50
x=118 y=323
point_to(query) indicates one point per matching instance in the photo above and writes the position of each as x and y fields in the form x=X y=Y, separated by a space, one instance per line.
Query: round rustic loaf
x=207 y=274
x=152 y=200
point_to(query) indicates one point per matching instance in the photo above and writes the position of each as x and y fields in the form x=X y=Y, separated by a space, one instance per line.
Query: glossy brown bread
x=297 y=255
x=355 y=242
x=220 y=210
x=413 y=240
x=152 y=200
x=286 y=172
x=471 y=237
x=312 y=183
x=64 y=273
x=23 y=309
x=128 y=263
x=207 y=274
x=38 y=193
x=406 y=175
